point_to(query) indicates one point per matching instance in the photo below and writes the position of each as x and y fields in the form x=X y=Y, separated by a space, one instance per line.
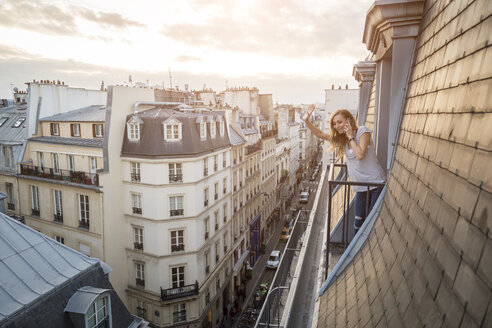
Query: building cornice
x=390 y=19
x=364 y=71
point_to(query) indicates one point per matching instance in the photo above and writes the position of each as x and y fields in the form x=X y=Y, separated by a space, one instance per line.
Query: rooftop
x=93 y=113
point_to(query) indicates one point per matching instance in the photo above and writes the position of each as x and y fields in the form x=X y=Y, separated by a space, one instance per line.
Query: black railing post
x=328 y=230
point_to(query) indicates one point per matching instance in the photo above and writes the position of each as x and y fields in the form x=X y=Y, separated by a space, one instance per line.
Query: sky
x=293 y=49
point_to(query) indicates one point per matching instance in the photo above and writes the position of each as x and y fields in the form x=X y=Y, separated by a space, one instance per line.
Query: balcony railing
x=253 y=148
x=138 y=245
x=140 y=282
x=62 y=175
x=11 y=206
x=270 y=133
x=176 y=212
x=135 y=177
x=84 y=224
x=173 y=178
x=137 y=210
x=177 y=248
x=35 y=211
x=179 y=292
x=58 y=218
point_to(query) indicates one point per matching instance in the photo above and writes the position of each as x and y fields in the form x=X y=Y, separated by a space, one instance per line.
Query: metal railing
x=179 y=292
x=176 y=177
x=333 y=184
x=62 y=175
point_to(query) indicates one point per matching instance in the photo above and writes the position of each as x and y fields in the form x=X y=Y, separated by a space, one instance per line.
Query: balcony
x=137 y=210
x=176 y=212
x=175 y=178
x=35 y=212
x=61 y=175
x=58 y=218
x=135 y=177
x=177 y=248
x=179 y=292
x=140 y=282
x=11 y=206
x=137 y=245
x=84 y=224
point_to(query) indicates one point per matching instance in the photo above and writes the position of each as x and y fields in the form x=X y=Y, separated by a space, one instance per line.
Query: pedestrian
x=362 y=164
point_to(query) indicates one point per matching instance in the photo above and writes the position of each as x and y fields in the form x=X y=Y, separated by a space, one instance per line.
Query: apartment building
x=177 y=213
x=59 y=190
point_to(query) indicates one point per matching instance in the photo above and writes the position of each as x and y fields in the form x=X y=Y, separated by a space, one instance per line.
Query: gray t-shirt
x=366 y=170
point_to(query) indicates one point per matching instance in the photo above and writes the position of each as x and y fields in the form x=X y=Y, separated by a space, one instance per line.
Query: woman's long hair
x=339 y=140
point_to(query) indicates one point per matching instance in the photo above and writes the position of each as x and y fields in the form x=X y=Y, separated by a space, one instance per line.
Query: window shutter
x=71 y=130
x=51 y=128
x=93 y=130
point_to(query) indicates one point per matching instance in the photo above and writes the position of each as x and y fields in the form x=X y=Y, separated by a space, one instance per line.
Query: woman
x=362 y=164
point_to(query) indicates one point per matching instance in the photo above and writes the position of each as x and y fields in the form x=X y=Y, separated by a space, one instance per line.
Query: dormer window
x=212 y=129
x=172 y=130
x=203 y=130
x=133 y=131
x=221 y=128
x=90 y=307
x=75 y=130
x=55 y=129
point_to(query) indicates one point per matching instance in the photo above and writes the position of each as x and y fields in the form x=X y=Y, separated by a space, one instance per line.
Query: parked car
x=284 y=236
x=273 y=260
x=304 y=197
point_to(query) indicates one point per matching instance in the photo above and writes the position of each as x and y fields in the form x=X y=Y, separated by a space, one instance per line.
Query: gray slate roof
x=235 y=137
x=32 y=264
x=8 y=134
x=96 y=142
x=93 y=113
x=152 y=143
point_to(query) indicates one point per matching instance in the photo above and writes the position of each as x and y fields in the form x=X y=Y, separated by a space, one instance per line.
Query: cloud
x=43 y=17
x=18 y=67
x=284 y=28
x=186 y=58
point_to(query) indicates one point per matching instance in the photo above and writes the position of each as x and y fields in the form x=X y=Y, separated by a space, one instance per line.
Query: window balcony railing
x=35 y=212
x=176 y=212
x=225 y=219
x=224 y=190
x=207 y=269
x=11 y=206
x=205 y=202
x=140 y=282
x=216 y=226
x=206 y=235
x=84 y=224
x=137 y=245
x=177 y=248
x=135 y=177
x=62 y=175
x=137 y=210
x=225 y=249
x=174 y=178
x=179 y=292
x=216 y=196
x=58 y=218
x=216 y=258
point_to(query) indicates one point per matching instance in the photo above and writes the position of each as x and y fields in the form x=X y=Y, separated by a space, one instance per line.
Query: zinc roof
x=93 y=113
x=8 y=133
x=96 y=142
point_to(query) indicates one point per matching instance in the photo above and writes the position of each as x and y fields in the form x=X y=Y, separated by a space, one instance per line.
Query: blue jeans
x=360 y=206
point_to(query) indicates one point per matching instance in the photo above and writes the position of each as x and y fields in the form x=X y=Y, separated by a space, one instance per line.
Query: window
x=138 y=238
x=93 y=164
x=217 y=252
x=142 y=309
x=84 y=211
x=221 y=128
x=178 y=276
x=10 y=196
x=177 y=241
x=60 y=239
x=224 y=184
x=54 y=129
x=206 y=224
x=225 y=213
x=97 y=315
x=176 y=205
x=179 y=313
x=216 y=164
x=212 y=129
x=225 y=242
x=137 y=204
x=205 y=197
x=40 y=160
x=224 y=160
x=133 y=131
x=57 y=206
x=71 y=162
x=216 y=220
x=55 y=163
x=172 y=132
x=216 y=191
x=175 y=172
x=97 y=130
x=203 y=130
x=207 y=263
x=19 y=122
x=205 y=167
x=3 y=120
x=75 y=130
x=135 y=171
x=35 y=200
x=8 y=157
x=140 y=274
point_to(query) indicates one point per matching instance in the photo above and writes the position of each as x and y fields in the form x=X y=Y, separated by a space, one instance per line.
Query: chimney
x=332 y=87
x=346 y=86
